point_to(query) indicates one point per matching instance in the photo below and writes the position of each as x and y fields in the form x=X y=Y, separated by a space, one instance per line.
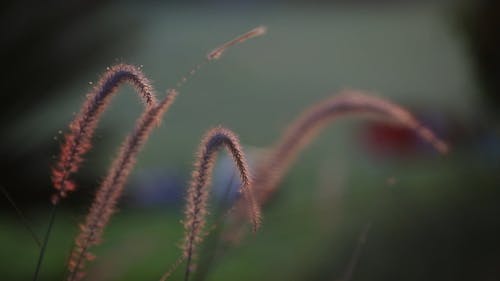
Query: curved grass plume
x=111 y=188
x=78 y=141
x=309 y=124
x=217 y=52
x=197 y=194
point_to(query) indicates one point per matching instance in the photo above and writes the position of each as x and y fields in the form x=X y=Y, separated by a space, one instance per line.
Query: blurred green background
x=425 y=216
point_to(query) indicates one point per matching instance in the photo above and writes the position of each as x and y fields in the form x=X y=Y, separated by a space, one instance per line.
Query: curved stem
x=22 y=217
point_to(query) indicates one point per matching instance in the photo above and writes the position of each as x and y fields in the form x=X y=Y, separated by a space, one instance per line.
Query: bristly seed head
x=217 y=52
x=197 y=194
x=110 y=190
x=78 y=141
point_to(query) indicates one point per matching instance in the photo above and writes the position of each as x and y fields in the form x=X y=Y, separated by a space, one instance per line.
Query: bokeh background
x=363 y=202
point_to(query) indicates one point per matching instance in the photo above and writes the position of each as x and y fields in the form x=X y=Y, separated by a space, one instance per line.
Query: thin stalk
x=363 y=236
x=45 y=241
x=22 y=217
